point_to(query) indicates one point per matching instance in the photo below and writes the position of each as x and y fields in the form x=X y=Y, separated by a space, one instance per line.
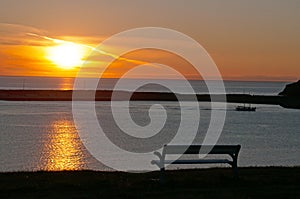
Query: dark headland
x=292 y=90
x=288 y=98
x=291 y=94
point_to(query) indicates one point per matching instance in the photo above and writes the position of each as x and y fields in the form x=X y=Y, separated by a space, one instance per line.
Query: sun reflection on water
x=66 y=84
x=63 y=148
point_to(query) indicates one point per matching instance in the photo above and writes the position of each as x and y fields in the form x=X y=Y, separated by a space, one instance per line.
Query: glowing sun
x=66 y=55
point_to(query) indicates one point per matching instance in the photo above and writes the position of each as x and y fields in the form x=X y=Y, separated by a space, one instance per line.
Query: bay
x=43 y=136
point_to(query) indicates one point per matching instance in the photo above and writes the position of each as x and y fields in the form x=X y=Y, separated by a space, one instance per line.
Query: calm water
x=42 y=135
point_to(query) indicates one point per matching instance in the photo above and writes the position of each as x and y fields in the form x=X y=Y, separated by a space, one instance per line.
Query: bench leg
x=235 y=167
x=235 y=171
x=162 y=175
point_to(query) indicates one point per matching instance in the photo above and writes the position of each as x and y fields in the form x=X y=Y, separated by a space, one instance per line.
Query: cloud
x=15 y=35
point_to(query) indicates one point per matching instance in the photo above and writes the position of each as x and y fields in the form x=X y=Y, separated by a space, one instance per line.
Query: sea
x=43 y=135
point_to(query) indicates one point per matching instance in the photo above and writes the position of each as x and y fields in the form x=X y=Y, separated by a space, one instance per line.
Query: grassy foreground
x=256 y=182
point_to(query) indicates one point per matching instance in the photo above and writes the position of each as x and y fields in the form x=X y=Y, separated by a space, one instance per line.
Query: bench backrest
x=231 y=150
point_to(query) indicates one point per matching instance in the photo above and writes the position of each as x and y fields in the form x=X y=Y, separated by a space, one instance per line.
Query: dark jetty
x=83 y=95
x=289 y=98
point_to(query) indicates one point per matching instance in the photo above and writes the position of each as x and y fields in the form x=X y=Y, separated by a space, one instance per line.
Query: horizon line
x=239 y=79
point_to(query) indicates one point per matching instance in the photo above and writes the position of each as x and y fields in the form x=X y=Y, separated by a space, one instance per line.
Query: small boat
x=245 y=108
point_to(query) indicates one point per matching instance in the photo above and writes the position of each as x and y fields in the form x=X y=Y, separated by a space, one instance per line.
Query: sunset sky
x=248 y=40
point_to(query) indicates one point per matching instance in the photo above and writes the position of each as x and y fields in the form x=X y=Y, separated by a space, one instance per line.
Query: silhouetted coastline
x=291 y=96
x=291 y=90
x=106 y=95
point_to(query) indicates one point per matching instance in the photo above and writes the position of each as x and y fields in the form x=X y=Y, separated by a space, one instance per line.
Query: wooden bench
x=231 y=150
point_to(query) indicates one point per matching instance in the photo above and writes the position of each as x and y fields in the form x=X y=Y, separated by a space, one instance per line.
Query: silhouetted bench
x=231 y=150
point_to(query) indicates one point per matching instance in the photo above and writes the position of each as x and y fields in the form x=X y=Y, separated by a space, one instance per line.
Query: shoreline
x=253 y=182
x=106 y=95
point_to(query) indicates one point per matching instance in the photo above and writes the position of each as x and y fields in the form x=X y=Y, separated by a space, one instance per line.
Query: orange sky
x=248 y=40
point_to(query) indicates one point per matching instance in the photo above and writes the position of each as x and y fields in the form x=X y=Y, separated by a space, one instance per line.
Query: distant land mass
x=292 y=90
x=291 y=96
x=288 y=98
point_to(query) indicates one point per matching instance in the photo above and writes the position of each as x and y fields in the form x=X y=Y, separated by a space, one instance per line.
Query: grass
x=253 y=182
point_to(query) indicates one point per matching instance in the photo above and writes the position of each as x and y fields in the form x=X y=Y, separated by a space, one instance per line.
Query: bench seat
x=231 y=150
x=201 y=161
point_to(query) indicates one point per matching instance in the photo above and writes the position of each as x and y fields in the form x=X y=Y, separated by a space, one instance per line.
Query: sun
x=66 y=55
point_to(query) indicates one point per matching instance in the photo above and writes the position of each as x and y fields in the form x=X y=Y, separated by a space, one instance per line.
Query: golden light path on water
x=63 y=149
x=66 y=84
